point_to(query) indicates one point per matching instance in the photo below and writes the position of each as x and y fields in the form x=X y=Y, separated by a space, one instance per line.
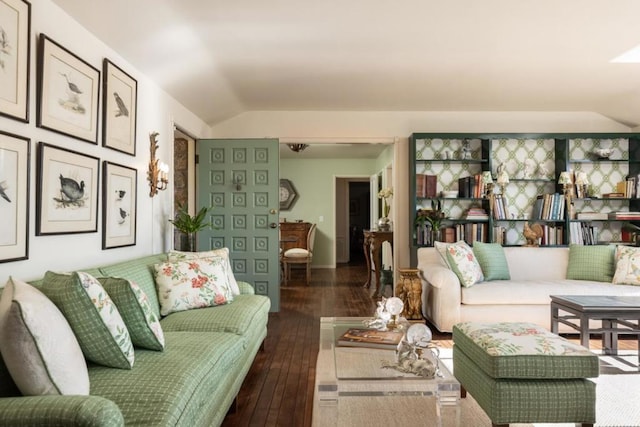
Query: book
x=372 y=338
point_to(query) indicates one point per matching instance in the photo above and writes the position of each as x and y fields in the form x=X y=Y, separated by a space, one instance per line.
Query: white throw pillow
x=222 y=253
x=627 y=266
x=38 y=346
x=196 y=283
x=464 y=263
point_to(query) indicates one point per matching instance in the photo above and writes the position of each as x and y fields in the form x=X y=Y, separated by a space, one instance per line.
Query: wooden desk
x=373 y=240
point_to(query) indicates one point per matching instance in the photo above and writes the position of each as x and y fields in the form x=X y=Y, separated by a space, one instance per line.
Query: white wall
x=156 y=112
x=399 y=125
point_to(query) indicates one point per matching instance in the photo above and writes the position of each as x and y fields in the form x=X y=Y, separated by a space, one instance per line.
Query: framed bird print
x=15 y=43
x=68 y=92
x=119 y=188
x=119 y=109
x=14 y=197
x=66 y=191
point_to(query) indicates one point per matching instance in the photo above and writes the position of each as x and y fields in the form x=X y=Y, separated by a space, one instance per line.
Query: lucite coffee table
x=352 y=387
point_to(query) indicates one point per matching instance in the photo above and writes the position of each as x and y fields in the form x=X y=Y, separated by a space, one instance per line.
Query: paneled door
x=239 y=177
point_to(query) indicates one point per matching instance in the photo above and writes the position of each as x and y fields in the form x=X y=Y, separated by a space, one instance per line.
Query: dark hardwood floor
x=278 y=391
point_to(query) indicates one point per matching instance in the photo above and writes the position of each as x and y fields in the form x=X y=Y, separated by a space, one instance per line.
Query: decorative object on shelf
x=582 y=184
x=603 y=153
x=530 y=166
x=566 y=181
x=384 y=224
x=158 y=173
x=449 y=194
x=532 y=234
x=288 y=194
x=297 y=147
x=189 y=225
x=502 y=178
x=487 y=181
x=465 y=150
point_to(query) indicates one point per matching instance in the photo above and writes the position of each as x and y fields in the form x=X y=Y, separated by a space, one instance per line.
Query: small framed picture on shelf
x=15 y=42
x=119 y=196
x=14 y=197
x=119 y=109
x=67 y=191
x=68 y=92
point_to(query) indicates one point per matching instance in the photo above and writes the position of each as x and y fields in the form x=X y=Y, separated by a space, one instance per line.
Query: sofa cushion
x=523 y=350
x=492 y=261
x=592 y=262
x=141 y=271
x=177 y=386
x=38 y=346
x=627 y=266
x=93 y=316
x=133 y=304
x=464 y=264
x=222 y=253
x=191 y=284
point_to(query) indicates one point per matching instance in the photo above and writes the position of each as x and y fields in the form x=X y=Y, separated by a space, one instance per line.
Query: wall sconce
x=158 y=174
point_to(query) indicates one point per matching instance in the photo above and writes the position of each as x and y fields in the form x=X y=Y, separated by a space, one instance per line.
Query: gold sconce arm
x=158 y=173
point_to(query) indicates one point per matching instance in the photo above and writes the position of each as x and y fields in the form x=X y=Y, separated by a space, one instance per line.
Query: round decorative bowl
x=449 y=194
x=603 y=153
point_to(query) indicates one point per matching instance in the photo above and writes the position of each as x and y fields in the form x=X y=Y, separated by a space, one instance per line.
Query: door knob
x=273 y=225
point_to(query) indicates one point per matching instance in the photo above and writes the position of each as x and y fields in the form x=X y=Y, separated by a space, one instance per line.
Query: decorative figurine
x=529 y=168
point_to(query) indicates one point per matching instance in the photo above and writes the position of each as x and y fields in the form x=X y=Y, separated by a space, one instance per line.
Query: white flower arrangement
x=385 y=194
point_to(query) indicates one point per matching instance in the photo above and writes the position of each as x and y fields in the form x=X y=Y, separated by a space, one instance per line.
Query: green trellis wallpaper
x=531 y=167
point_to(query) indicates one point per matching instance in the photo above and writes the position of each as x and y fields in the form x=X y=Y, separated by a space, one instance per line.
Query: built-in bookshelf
x=533 y=163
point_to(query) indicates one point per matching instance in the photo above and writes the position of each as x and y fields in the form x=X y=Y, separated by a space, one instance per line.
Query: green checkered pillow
x=594 y=263
x=93 y=317
x=492 y=261
x=133 y=305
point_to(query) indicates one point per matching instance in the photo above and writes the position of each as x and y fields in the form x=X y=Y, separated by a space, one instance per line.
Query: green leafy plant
x=433 y=216
x=189 y=224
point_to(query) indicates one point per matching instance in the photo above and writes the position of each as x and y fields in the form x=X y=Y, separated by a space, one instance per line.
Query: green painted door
x=239 y=178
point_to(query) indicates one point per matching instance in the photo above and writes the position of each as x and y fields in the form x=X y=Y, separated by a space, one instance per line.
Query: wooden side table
x=409 y=290
x=373 y=240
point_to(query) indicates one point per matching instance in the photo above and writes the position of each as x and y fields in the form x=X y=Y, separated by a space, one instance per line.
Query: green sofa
x=193 y=382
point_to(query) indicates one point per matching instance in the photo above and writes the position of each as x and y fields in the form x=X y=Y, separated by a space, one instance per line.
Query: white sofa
x=536 y=273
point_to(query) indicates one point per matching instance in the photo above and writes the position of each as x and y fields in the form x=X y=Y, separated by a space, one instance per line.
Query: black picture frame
x=119 y=109
x=68 y=92
x=119 y=205
x=66 y=192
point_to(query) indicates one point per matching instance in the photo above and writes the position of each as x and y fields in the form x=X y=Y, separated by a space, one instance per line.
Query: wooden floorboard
x=278 y=390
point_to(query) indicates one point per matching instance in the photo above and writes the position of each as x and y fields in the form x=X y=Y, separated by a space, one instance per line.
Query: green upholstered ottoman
x=522 y=373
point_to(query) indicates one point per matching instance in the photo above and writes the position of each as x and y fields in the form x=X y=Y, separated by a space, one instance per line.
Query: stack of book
x=592 y=216
x=629 y=187
x=476 y=214
x=549 y=207
x=552 y=235
x=372 y=338
x=471 y=186
x=471 y=232
x=582 y=233
x=624 y=216
x=500 y=207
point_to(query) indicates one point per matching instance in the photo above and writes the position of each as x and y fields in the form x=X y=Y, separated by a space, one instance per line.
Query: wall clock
x=288 y=195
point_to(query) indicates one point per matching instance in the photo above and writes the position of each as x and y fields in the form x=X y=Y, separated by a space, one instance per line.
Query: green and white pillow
x=627 y=266
x=591 y=262
x=223 y=253
x=93 y=316
x=197 y=283
x=492 y=261
x=142 y=323
x=38 y=346
x=464 y=263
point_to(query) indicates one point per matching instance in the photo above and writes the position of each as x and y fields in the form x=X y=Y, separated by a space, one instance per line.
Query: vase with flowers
x=434 y=218
x=384 y=224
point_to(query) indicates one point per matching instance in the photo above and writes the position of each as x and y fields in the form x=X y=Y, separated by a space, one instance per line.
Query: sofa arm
x=73 y=411
x=246 y=288
x=441 y=296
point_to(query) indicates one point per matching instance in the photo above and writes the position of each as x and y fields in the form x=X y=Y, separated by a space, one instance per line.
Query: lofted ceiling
x=220 y=58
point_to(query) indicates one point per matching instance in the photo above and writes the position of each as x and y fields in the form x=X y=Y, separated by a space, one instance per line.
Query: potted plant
x=189 y=225
x=434 y=217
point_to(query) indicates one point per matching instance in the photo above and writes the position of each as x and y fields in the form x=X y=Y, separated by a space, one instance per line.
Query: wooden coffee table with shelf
x=618 y=314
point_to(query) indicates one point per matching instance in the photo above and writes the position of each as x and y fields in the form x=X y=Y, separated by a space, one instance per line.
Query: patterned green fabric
x=591 y=263
x=246 y=288
x=523 y=350
x=93 y=316
x=239 y=317
x=526 y=400
x=492 y=261
x=141 y=271
x=56 y=411
x=133 y=305
x=172 y=387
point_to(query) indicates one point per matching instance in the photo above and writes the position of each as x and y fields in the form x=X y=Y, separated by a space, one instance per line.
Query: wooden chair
x=299 y=256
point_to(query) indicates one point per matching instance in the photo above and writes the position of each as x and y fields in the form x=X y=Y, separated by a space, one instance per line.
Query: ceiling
x=220 y=58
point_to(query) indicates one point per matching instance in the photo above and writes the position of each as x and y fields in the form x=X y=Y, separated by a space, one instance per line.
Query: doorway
x=359 y=214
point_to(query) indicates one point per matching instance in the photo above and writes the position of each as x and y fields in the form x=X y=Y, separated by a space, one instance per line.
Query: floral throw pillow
x=196 y=283
x=133 y=304
x=93 y=317
x=464 y=264
x=627 y=266
x=222 y=253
